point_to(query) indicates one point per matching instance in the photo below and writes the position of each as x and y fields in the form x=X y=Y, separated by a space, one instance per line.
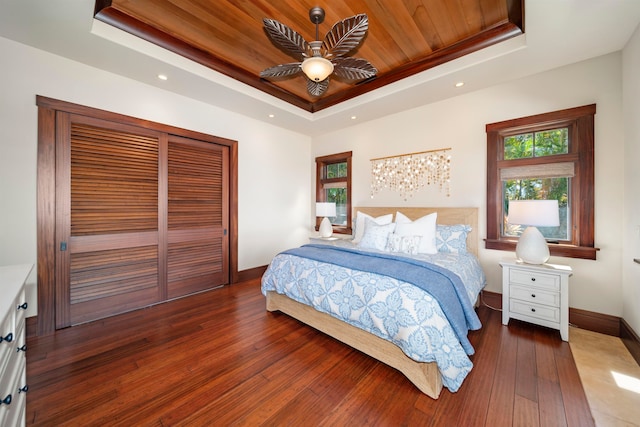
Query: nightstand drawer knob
x=533 y=310
x=533 y=279
x=533 y=295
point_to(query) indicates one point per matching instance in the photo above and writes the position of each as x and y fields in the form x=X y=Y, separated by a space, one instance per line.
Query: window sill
x=562 y=250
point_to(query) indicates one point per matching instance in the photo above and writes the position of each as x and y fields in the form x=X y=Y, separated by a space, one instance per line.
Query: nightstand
x=315 y=238
x=537 y=294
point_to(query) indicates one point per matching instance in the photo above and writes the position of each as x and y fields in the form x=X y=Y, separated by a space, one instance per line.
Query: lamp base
x=326 y=229
x=532 y=247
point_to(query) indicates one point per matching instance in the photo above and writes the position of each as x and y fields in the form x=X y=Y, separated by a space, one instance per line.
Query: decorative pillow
x=360 y=224
x=452 y=238
x=375 y=235
x=404 y=244
x=424 y=227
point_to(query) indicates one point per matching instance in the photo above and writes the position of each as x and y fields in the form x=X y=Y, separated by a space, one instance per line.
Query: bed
x=431 y=350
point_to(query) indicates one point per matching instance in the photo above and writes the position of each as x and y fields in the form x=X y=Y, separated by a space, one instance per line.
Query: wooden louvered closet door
x=197 y=216
x=139 y=217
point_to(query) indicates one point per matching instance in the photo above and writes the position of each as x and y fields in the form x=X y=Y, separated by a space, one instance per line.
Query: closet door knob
x=6 y=400
x=23 y=306
x=8 y=338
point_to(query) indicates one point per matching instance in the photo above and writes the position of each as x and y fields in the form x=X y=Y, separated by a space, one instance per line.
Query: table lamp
x=532 y=247
x=326 y=210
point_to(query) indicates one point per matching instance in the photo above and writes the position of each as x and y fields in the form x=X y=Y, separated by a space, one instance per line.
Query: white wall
x=275 y=187
x=274 y=206
x=460 y=122
x=631 y=249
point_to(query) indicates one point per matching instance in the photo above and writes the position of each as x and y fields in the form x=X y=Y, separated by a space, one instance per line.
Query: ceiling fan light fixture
x=317 y=68
x=343 y=38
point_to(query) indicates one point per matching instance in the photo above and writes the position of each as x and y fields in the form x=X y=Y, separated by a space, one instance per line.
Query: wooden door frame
x=46 y=195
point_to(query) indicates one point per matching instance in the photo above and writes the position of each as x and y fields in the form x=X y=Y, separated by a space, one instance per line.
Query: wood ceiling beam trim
x=511 y=27
x=112 y=16
x=485 y=39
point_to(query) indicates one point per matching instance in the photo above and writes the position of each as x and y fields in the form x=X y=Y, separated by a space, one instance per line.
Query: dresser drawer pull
x=23 y=389
x=8 y=338
x=533 y=310
x=23 y=348
x=23 y=306
x=533 y=279
x=6 y=400
x=533 y=295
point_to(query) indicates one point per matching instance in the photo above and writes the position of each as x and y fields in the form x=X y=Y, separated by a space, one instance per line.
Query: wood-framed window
x=333 y=184
x=546 y=156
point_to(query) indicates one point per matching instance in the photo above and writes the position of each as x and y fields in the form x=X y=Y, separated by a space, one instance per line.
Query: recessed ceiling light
x=459 y=84
x=272 y=115
x=353 y=117
x=162 y=77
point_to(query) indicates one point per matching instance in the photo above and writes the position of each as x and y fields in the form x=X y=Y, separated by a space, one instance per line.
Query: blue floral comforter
x=388 y=307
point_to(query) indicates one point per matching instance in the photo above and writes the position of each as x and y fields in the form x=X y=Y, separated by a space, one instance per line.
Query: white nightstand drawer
x=550 y=314
x=538 y=296
x=536 y=293
x=533 y=278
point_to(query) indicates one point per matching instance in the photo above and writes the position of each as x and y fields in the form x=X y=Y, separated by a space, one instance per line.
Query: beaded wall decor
x=408 y=173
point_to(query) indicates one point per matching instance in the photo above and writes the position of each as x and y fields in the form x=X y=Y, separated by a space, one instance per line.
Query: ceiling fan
x=319 y=59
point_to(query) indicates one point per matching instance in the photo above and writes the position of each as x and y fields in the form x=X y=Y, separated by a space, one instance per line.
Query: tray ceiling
x=404 y=37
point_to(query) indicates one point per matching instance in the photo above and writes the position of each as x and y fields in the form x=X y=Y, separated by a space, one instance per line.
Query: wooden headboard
x=446 y=216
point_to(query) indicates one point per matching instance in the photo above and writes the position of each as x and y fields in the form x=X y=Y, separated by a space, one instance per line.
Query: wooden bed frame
x=425 y=376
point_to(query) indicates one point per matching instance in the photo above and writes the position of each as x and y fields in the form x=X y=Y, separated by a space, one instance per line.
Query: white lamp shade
x=540 y=213
x=317 y=68
x=326 y=209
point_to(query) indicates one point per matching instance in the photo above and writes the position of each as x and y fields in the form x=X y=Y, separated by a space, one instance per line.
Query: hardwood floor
x=219 y=358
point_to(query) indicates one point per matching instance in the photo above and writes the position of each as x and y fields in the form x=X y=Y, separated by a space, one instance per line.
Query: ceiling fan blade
x=346 y=35
x=317 y=88
x=286 y=38
x=282 y=70
x=353 y=68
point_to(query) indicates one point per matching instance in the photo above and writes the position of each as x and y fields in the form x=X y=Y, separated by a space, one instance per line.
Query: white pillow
x=375 y=235
x=424 y=227
x=404 y=244
x=360 y=223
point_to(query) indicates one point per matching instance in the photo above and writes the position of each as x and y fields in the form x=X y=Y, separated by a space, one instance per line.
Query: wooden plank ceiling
x=404 y=37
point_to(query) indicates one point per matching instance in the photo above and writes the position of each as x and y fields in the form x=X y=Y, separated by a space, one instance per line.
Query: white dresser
x=13 y=345
x=536 y=294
